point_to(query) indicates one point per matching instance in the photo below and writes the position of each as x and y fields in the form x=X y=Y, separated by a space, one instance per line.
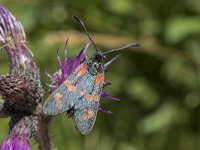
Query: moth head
x=95 y=65
x=96 y=62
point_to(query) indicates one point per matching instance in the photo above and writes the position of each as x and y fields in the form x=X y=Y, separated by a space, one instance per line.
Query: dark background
x=158 y=84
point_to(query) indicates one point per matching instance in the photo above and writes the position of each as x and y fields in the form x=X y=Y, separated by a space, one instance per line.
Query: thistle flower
x=13 y=39
x=66 y=67
x=16 y=142
x=19 y=136
x=20 y=90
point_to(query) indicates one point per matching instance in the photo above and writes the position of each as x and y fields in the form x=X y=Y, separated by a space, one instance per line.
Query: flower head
x=16 y=142
x=21 y=132
x=13 y=39
x=66 y=67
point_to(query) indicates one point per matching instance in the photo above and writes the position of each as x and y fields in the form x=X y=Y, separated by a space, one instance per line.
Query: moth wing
x=87 y=107
x=55 y=102
x=64 y=97
x=85 y=118
x=81 y=85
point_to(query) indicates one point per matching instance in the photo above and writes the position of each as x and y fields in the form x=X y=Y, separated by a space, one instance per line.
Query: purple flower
x=66 y=67
x=13 y=39
x=106 y=95
x=21 y=132
x=16 y=142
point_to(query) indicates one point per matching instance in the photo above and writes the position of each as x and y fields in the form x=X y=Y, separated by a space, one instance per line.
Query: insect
x=80 y=93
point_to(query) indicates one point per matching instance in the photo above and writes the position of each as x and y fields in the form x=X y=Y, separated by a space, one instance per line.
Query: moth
x=79 y=95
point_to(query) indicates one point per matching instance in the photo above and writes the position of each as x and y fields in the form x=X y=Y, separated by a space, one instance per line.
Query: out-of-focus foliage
x=158 y=84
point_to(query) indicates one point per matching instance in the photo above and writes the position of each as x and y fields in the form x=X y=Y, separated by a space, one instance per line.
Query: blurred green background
x=158 y=84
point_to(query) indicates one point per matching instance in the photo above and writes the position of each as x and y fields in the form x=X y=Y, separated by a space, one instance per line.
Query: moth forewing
x=54 y=104
x=63 y=97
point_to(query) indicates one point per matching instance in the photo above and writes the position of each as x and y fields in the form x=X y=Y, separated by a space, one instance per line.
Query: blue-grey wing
x=69 y=92
x=58 y=101
x=86 y=107
x=85 y=117
x=55 y=102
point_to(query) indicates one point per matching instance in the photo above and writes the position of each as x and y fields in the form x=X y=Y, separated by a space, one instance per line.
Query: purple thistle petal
x=105 y=111
x=58 y=58
x=80 y=56
x=71 y=64
x=67 y=67
x=52 y=87
x=65 y=49
x=106 y=95
x=49 y=75
x=21 y=132
x=16 y=142
x=13 y=39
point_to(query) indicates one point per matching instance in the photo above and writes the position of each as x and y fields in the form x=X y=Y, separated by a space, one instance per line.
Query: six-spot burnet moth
x=79 y=94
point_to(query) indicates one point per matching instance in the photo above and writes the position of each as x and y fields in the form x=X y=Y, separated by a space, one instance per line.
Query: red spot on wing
x=67 y=83
x=82 y=68
x=58 y=98
x=87 y=115
x=91 y=98
x=72 y=88
x=96 y=98
x=99 y=79
x=79 y=67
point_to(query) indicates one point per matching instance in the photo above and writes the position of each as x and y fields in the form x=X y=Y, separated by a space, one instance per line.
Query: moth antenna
x=65 y=49
x=121 y=48
x=83 y=26
x=113 y=59
x=58 y=58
